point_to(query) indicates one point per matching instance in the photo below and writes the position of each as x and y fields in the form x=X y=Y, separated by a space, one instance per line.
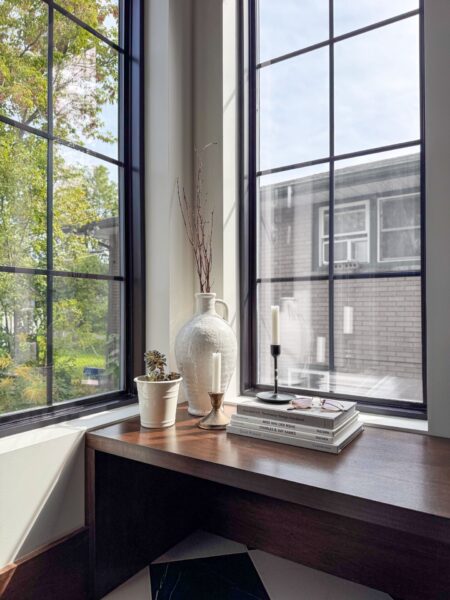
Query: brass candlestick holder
x=216 y=419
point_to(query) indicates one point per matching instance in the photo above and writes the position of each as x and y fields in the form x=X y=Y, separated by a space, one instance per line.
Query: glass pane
x=340 y=251
x=288 y=223
x=294 y=116
x=349 y=220
x=400 y=211
x=23 y=63
x=86 y=214
x=303 y=330
x=23 y=198
x=289 y=25
x=350 y=14
x=401 y=244
x=22 y=342
x=359 y=251
x=377 y=89
x=87 y=337
x=372 y=178
x=85 y=88
x=378 y=346
x=101 y=15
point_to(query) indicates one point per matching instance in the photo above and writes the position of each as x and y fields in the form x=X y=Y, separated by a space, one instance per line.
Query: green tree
x=85 y=87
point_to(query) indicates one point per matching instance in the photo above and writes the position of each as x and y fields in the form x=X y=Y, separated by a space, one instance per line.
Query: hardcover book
x=315 y=417
x=293 y=429
x=332 y=447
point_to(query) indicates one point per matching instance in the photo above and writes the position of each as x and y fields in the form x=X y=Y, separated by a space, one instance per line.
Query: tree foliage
x=85 y=199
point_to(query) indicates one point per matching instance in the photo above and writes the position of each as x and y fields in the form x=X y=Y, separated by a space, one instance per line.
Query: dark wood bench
x=378 y=513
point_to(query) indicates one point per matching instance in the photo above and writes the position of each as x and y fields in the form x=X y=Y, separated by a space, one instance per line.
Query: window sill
x=84 y=415
x=370 y=420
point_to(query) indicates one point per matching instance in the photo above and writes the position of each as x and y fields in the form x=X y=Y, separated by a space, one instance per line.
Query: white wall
x=437 y=140
x=215 y=120
x=169 y=142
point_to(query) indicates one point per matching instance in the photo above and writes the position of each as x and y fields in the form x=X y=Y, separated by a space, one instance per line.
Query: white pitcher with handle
x=205 y=333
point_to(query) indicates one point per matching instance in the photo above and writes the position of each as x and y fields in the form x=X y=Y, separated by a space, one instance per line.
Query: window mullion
x=331 y=364
x=49 y=295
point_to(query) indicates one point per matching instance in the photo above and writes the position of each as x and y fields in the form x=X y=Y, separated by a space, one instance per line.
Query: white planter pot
x=157 y=401
x=204 y=334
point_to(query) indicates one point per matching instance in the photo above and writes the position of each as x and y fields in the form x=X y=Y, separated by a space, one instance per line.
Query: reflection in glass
x=289 y=25
x=22 y=342
x=379 y=197
x=377 y=91
x=86 y=214
x=287 y=220
x=23 y=64
x=350 y=15
x=293 y=117
x=380 y=356
x=85 y=88
x=101 y=15
x=23 y=198
x=303 y=330
x=86 y=329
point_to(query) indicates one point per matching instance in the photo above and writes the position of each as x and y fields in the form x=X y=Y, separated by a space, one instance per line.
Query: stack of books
x=313 y=428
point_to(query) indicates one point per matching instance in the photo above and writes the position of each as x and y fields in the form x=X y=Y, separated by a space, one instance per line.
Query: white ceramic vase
x=205 y=333
x=157 y=401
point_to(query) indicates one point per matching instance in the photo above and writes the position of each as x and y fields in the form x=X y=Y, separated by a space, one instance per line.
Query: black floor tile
x=230 y=577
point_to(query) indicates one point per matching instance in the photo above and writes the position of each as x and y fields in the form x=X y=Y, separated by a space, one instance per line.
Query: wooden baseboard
x=55 y=571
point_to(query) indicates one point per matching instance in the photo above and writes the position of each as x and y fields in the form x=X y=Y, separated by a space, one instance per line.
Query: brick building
x=377 y=284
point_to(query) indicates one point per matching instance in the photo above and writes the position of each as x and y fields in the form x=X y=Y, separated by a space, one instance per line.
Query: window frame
x=248 y=210
x=131 y=209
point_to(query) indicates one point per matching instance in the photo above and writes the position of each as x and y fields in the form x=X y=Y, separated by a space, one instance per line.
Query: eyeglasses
x=320 y=403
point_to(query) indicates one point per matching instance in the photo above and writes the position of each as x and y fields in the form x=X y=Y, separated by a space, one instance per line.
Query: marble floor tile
x=199 y=545
x=286 y=580
x=136 y=588
x=230 y=577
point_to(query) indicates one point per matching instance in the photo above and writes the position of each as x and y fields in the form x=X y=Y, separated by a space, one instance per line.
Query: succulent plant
x=155 y=367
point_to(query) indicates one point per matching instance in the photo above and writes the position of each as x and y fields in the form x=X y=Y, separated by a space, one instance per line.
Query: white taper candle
x=275 y=325
x=216 y=372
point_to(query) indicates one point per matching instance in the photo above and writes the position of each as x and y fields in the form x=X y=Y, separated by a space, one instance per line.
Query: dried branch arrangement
x=198 y=224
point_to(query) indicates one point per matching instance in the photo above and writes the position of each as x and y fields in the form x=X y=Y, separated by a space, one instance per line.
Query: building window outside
x=351 y=233
x=399 y=228
x=61 y=202
x=336 y=123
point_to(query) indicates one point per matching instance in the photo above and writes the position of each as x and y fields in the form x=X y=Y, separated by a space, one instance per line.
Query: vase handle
x=226 y=310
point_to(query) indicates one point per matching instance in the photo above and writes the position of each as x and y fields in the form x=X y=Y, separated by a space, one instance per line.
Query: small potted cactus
x=157 y=392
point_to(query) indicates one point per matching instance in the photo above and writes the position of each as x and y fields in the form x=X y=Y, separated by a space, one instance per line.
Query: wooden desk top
x=391 y=478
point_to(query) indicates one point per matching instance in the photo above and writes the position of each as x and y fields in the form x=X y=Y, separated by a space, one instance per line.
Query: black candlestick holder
x=275 y=396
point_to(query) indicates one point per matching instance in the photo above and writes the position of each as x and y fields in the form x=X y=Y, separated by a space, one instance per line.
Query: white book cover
x=332 y=447
x=311 y=416
x=292 y=429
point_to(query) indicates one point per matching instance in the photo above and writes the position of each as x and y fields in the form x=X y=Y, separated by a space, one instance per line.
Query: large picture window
x=333 y=225
x=65 y=201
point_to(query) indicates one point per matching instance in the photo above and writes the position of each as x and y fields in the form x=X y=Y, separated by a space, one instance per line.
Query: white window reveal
x=351 y=233
x=399 y=228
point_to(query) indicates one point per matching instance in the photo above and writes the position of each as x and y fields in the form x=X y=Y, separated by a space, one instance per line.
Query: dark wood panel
x=407 y=566
x=140 y=512
x=55 y=571
x=385 y=477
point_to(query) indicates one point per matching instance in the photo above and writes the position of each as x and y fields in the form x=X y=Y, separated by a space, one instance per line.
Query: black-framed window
x=71 y=209
x=332 y=226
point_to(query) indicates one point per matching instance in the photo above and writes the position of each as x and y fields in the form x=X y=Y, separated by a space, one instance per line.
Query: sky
x=376 y=76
